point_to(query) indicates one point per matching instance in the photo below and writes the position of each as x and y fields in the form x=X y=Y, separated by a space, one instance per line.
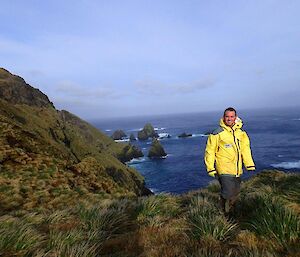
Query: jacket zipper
x=238 y=154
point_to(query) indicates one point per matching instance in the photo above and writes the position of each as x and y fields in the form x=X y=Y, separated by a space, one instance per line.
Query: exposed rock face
x=142 y=135
x=156 y=150
x=15 y=90
x=118 y=135
x=129 y=152
x=52 y=157
x=132 y=137
x=146 y=132
x=183 y=135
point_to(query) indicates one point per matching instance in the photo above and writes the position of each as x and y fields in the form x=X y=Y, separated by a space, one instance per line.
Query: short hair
x=229 y=109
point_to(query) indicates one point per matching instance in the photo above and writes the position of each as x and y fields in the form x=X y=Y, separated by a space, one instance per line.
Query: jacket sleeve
x=210 y=152
x=246 y=153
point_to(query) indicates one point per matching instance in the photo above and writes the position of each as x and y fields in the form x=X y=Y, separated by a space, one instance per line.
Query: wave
x=107 y=130
x=154 y=190
x=199 y=135
x=135 y=129
x=139 y=129
x=287 y=165
x=193 y=135
x=296 y=119
x=136 y=160
x=163 y=136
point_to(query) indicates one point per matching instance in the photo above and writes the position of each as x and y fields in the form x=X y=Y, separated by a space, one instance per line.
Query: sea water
x=274 y=136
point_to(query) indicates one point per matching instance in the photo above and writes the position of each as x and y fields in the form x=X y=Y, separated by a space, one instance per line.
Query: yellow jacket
x=227 y=149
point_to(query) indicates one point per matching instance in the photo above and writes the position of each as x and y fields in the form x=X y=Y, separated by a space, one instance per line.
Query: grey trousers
x=230 y=187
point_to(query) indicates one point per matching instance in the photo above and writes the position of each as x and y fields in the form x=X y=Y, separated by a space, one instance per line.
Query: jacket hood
x=238 y=124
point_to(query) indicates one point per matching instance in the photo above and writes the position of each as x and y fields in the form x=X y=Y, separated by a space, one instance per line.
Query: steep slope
x=15 y=90
x=49 y=158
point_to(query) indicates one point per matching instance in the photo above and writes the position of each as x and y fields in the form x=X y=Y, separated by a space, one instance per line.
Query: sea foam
x=199 y=135
x=287 y=165
x=136 y=160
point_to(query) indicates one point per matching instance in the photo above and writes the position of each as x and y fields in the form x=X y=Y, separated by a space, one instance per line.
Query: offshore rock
x=132 y=137
x=146 y=132
x=118 y=135
x=129 y=152
x=184 y=135
x=156 y=150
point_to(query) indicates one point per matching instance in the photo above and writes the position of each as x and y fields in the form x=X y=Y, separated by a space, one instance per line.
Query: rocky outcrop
x=15 y=90
x=156 y=150
x=118 y=135
x=129 y=152
x=147 y=132
x=132 y=137
x=184 y=135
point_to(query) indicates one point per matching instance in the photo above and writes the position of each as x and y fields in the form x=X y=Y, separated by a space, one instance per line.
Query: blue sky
x=123 y=58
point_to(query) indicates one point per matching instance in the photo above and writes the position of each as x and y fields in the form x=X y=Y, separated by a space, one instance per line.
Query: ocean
x=274 y=136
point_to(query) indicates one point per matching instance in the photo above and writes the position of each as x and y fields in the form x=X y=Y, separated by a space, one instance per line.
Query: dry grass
x=263 y=223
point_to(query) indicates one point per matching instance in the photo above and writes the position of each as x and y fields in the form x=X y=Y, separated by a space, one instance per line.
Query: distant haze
x=102 y=59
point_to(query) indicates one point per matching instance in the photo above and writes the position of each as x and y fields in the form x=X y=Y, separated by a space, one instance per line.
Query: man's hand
x=212 y=173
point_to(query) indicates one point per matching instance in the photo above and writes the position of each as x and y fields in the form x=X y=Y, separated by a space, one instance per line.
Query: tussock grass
x=247 y=243
x=108 y=220
x=56 y=216
x=71 y=243
x=207 y=247
x=214 y=187
x=103 y=225
x=167 y=240
x=206 y=221
x=270 y=209
x=83 y=249
x=250 y=252
x=18 y=236
x=275 y=183
x=156 y=210
x=272 y=220
x=264 y=222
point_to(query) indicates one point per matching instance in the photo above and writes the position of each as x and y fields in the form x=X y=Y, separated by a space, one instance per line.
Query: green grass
x=155 y=210
x=264 y=222
x=18 y=236
x=206 y=221
x=272 y=220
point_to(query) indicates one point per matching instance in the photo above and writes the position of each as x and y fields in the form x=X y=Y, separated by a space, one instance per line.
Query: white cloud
x=157 y=87
x=71 y=89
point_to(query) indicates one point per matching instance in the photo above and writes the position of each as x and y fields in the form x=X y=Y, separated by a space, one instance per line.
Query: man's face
x=229 y=118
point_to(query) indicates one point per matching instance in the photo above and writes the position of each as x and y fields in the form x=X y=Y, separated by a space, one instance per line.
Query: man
x=227 y=149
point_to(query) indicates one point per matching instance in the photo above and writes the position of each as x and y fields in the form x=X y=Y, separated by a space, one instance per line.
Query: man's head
x=229 y=116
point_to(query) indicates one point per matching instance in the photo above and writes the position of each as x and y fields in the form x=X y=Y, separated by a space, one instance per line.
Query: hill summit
x=15 y=90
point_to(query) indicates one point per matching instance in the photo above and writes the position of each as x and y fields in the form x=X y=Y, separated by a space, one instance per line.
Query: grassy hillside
x=49 y=158
x=64 y=192
x=265 y=222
